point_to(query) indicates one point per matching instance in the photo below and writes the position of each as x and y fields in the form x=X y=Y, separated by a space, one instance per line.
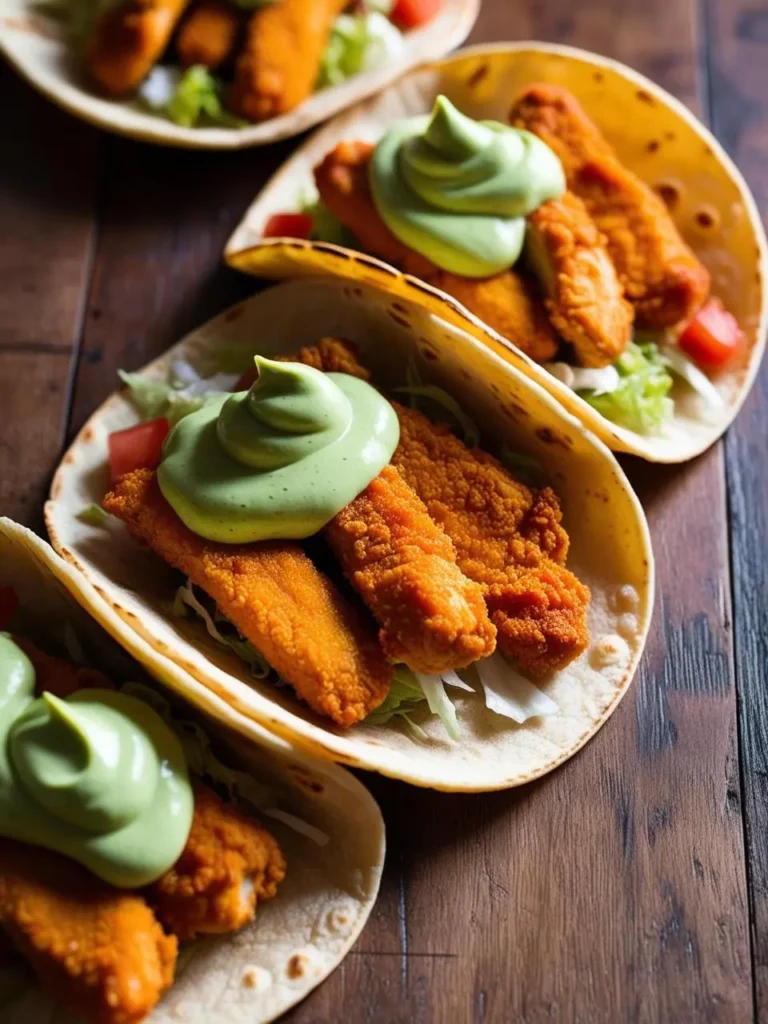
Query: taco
x=562 y=209
x=221 y=74
x=467 y=621
x=153 y=865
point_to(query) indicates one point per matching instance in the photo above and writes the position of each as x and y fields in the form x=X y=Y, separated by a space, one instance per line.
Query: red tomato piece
x=289 y=225
x=9 y=602
x=246 y=378
x=712 y=337
x=412 y=13
x=139 y=447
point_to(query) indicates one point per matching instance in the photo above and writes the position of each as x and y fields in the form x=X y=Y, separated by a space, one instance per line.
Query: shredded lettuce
x=190 y=98
x=683 y=367
x=93 y=515
x=202 y=761
x=467 y=426
x=326 y=227
x=641 y=401
x=173 y=399
x=220 y=629
x=359 y=42
x=510 y=694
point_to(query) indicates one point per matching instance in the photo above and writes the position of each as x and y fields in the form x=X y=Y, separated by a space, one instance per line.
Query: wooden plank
x=613 y=890
x=48 y=177
x=739 y=111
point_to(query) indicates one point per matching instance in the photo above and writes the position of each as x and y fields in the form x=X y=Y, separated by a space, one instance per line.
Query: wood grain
x=614 y=890
x=739 y=110
x=49 y=174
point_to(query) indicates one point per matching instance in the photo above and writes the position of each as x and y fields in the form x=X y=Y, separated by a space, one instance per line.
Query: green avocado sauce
x=458 y=190
x=98 y=777
x=280 y=460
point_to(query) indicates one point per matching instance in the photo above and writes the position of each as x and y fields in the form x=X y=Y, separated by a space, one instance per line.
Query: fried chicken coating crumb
x=585 y=300
x=660 y=274
x=229 y=865
x=404 y=567
x=99 y=950
x=508 y=539
x=319 y=642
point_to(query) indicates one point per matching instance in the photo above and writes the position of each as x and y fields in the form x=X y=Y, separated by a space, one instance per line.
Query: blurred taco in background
x=138 y=840
x=379 y=540
x=222 y=73
x=561 y=208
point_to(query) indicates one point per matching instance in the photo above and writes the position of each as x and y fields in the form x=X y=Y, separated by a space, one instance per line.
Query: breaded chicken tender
x=329 y=355
x=404 y=567
x=278 y=66
x=661 y=276
x=585 y=300
x=508 y=539
x=292 y=614
x=208 y=34
x=506 y=302
x=99 y=950
x=128 y=40
x=229 y=865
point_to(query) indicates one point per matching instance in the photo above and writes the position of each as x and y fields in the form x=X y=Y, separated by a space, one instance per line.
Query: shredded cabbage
x=468 y=427
x=600 y=381
x=641 y=401
x=187 y=599
x=190 y=98
x=681 y=366
x=93 y=515
x=509 y=693
x=172 y=399
x=359 y=42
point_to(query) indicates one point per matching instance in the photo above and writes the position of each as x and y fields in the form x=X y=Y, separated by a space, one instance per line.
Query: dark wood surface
x=632 y=884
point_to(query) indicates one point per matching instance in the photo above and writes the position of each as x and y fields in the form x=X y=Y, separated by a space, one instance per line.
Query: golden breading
x=99 y=950
x=229 y=865
x=507 y=538
x=585 y=300
x=294 y=616
x=661 y=276
x=278 y=65
x=208 y=34
x=128 y=40
x=404 y=567
x=507 y=302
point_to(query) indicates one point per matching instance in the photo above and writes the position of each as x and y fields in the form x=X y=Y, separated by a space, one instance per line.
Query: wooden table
x=632 y=884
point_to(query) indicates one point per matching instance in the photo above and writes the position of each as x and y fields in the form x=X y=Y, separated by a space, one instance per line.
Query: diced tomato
x=712 y=337
x=412 y=13
x=9 y=602
x=139 y=447
x=289 y=225
x=246 y=378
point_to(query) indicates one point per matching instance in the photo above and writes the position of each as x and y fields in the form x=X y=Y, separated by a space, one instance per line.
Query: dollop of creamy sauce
x=280 y=460
x=458 y=190
x=98 y=777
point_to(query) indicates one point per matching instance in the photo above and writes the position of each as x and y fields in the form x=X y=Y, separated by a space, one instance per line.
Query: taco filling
x=348 y=545
x=111 y=853
x=538 y=229
x=229 y=62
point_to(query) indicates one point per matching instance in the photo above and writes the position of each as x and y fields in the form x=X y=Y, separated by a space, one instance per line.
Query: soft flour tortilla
x=301 y=935
x=654 y=134
x=39 y=48
x=610 y=544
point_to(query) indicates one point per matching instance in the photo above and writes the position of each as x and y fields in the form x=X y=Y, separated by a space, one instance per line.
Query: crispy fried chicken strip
x=404 y=567
x=98 y=949
x=128 y=40
x=661 y=276
x=508 y=539
x=293 y=615
x=208 y=34
x=507 y=302
x=280 y=60
x=585 y=300
x=329 y=355
x=229 y=865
